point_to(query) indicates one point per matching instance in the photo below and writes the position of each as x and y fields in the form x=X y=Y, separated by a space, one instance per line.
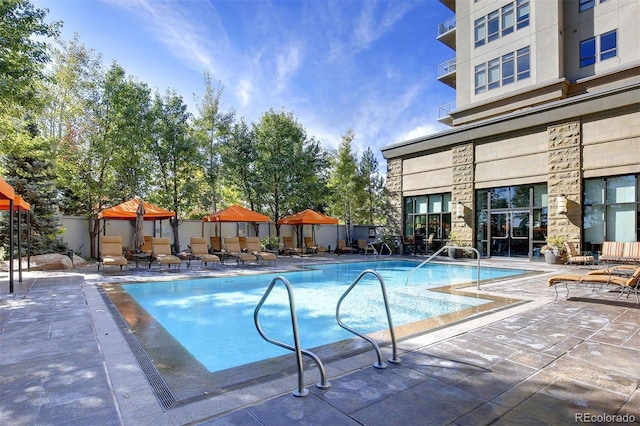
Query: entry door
x=510 y=233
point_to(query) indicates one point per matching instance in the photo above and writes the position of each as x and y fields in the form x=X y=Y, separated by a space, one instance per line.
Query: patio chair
x=111 y=252
x=146 y=247
x=200 y=251
x=161 y=253
x=343 y=248
x=289 y=247
x=309 y=247
x=253 y=247
x=574 y=257
x=216 y=244
x=232 y=249
x=602 y=278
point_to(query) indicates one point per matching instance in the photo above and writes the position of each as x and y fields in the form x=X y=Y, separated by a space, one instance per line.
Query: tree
x=343 y=181
x=174 y=152
x=371 y=203
x=23 y=53
x=30 y=170
x=211 y=129
x=287 y=167
x=239 y=159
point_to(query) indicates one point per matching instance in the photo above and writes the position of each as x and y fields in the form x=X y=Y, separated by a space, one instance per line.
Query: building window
x=585 y=5
x=493 y=25
x=523 y=63
x=507 y=19
x=611 y=210
x=507 y=69
x=426 y=215
x=522 y=13
x=609 y=45
x=494 y=73
x=587 y=52
x=481 y=78
x=480 y=32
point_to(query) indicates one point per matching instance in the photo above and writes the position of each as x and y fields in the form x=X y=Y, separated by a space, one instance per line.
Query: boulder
x=47 y=262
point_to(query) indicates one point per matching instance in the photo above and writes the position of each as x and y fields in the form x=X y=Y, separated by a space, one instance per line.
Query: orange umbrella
x=129 y=211
x=308 y=217
x=236 y=214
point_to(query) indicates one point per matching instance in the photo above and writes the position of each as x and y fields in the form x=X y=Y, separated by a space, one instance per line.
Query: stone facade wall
x=394 y=197
x=564 y=177
x=463 y=189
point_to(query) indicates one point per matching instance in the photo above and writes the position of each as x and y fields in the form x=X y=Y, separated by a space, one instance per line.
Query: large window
x=589 y=48
x=611 y=210
x=428 y=214
x=500 y=71
x=501 y=22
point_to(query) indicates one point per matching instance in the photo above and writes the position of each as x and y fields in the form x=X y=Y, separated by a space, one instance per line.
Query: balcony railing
x=445 y=110
x=447 y=67
x=446 y=26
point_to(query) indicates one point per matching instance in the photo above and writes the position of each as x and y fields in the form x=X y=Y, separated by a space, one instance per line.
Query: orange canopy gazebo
x=236 y=213
x=307 y=217
x=128 y=211
x=12 y=202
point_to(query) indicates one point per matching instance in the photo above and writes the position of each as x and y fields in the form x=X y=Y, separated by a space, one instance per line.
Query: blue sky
x=370 y=66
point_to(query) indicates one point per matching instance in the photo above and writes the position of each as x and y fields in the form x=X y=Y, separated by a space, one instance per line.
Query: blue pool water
x=213 y=318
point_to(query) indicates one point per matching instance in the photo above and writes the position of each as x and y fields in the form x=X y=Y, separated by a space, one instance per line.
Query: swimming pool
x=213 y=318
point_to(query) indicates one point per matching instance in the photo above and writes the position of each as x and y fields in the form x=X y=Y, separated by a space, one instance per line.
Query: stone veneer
x=394 y=196
x=564 y=176
x=462 y=190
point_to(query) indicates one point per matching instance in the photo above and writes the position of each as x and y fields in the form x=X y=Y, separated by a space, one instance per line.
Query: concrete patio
x=65 y=360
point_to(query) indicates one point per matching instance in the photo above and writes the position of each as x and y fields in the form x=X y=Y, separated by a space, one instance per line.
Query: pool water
x=213 y=318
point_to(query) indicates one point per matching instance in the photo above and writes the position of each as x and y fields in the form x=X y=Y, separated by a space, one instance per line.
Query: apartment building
x=545 y=131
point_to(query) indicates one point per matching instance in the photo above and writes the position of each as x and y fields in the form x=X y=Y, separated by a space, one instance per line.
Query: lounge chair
x=111 y=252
x=232 y=249
x=289 y=247
x=146 y=247
x=309 y=247
x=602 y=278
x=216 y=244
x=574 y=257
x=343 y=248
x=161 y=253
x=200 y=251
x=253 y=247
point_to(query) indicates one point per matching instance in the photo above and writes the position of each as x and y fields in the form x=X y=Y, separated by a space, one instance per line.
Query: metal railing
x=379 y=363
x=375 y=251
x=446 y=26
x=447 y=67
x=301 y=391
x=443 y=248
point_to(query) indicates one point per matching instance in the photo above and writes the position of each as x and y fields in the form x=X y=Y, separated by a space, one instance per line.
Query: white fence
x=76 y=233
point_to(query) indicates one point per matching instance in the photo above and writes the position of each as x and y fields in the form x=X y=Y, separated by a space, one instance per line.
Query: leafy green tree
x=174 y=153
x=371 y=204
x=343 y=181
x=23 y=52
x=211 y=128
x=287 y=165
x=239 y=159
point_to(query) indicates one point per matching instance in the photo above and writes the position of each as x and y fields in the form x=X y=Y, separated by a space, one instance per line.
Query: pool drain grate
x=159 y=386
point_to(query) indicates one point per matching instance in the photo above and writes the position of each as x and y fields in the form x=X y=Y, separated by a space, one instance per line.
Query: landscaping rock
x=46 y=262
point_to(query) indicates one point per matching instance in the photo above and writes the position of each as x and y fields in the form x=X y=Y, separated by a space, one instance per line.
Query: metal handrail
x=427 y=260
x=301 y=391
x=379 y=363
x=366 y=250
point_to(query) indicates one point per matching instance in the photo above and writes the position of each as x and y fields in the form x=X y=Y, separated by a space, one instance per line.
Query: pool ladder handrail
x=379 y=363
x=366 y=250
x=443 y=248
x=301 y=391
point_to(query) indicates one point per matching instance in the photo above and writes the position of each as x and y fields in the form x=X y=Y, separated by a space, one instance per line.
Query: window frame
x=505 y=12
x=493 y=19
x=522 y=55
x=611 y=52
x=480 y=24
x=522 y=13
x=584 y=5
x=480 y=70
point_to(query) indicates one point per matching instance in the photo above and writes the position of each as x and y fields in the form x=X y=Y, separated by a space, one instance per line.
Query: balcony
x=447 y=73
x=444 y=116
x=447 y=32
x=451 y=4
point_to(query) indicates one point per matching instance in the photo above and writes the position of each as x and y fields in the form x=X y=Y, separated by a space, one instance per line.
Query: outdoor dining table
x=142 y=256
